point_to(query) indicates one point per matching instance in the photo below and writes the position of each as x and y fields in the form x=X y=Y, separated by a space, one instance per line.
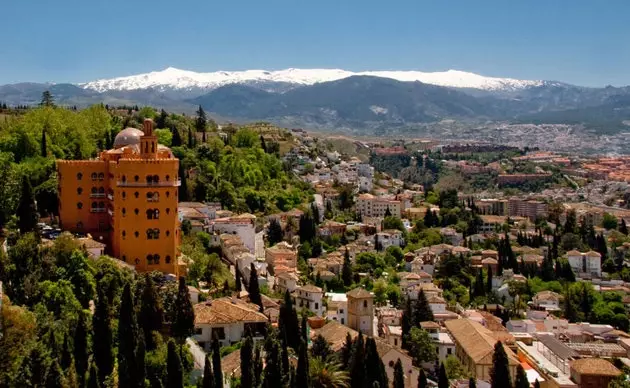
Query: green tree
x=420 y=346
x=44 y=150
x=273 y=374
x=80 y=348
x=247 y=365
x=357 y=364
x=47 y=99
x=93 y=379
x=151 y=314
x=500 y=371
x=327 y=373
x=208 y=378
x=101 y=323
x=454 y=368
x=54 y=377
x=399 y=375
x=374 y=368
x=346 y=270
x=521 y=378
x=422 y=379
x=26 y=212
x=216 y=363
x=183 y=325
x=443 y=378
x=274 y=232
x=609 y=221
x=174 y=369
x=288 y=323
x=254 y=287
x=422 y=310
x=321 y=348
x=201 y=122
x=129 y=374
x=302 y=371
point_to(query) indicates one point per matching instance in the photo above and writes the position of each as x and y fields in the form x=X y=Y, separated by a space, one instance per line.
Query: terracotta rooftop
x=359 y=292
x=594 y=366
x=226 y=310
x=231 y=364
x=476 y=341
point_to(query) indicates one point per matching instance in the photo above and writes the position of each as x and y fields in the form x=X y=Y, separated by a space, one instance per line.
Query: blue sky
x=581 y=41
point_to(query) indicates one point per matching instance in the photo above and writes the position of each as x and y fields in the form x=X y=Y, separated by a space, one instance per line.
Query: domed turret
x=128 y=136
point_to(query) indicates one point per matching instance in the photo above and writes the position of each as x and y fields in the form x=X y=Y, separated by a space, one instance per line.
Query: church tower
x=148 y=142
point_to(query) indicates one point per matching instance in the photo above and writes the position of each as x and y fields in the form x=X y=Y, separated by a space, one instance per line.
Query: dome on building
x=128 y=136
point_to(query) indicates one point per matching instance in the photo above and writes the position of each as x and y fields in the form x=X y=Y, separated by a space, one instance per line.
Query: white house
x=310 y=297
x=242 y=225
x=548 y=300
x=227 y=319
x=585 y=264
x=286 y=281
x=337 y=307
x=94 y=248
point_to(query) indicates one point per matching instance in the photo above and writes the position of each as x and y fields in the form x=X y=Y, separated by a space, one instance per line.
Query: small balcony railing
x=97 y=195
x=175 y=183
x=98 y=210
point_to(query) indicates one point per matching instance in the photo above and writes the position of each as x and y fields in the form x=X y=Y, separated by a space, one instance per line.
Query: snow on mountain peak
x=173 y=78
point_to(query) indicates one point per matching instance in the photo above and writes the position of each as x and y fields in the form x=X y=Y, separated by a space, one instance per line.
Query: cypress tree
x=304 y=328
x=399 y=375
x=80 y=350
x=274 y=232
x=141 y=371
x=176 y=140
x=346 y=352
x=66 y=353
x=151 y=314
x=472 y=382
x=44 y=150
x=216 y=363
x=191 y=139
x=422 y=379
x=183 y=325
x=346 y=270
x=374 y=368
x=521 y=378
x=101 y=322
x=208 y=378
x=321 y=348
x=302 y=372
x=422 y=309
x=623 y=228
x=258 y=367
x=273 y=370
x=406 y=323
x=183 y=193
x=71 y=376
x=55 y=378
x=26 y=211
x=174 y=370
x=127 y=341
x=239 y=285
x=288 y=321
x=247 y=365
x=357 y=364
x=254 y=287
x=443 y=378
x=489 y=285
x=500 y=371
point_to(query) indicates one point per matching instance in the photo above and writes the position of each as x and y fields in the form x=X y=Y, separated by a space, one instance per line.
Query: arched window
x=149 y=179
x=101 y=176
x=156 y=178
x=149 y=234
x=365 y=304
x=94 y=176
x=124 y=178
x=124 y=258
x=79 y=225
x=168 y=233
x=168 y=194
x=136 y=211
x=156 y=196
x=93 y=190
x=79 y=205
x=79 y=191
x=136 y=194
x=156 y=234
x=79 y=176
x=167 y=259
x=124 y=195
x=149 y=214
x=124 y=211
x=149 y=196
x=124 y=234
x=149 y=259
x=168 y=178
x=94 y=205
x=136 y=178
x=156 y=259
x=137 y=234
x=101 y=205
x=137 y=261
x=168 y=210
x=101 y=190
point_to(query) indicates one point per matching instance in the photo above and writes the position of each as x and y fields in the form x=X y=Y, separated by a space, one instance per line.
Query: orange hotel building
x=127 y=198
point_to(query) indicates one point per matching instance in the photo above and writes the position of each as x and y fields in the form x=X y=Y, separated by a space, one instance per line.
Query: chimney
x=148 y=127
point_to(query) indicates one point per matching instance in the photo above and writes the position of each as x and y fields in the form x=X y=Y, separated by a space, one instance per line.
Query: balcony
x=97 y=195
x=98 y=210
x=174 y=183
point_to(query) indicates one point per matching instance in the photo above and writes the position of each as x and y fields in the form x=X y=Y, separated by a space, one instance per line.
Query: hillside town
x=438 y=258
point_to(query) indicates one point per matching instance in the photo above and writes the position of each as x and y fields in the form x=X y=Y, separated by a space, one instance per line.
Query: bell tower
x=148 y=142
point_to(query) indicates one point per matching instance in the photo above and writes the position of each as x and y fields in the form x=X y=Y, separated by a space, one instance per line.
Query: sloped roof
x=226 y=310
x=477 y=341
x=594 y=366
x=359 y=292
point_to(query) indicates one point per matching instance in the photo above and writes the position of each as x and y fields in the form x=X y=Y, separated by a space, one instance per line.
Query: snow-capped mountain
x=176 y=79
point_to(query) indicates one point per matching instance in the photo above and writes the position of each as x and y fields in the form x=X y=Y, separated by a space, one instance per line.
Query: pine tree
x=422 y=310
x=357 y=364
x=443 y=378
x=346 y=270
x=216 y=363
x=247 y=365
x=26 y=211
x=151 y=314
x=160 y=121
x=201 y=122
x=55 y=378
x=521 y=378
x=208 y=378
x=500 y=371
x=174 y=370
x=489 y=284
x=80 y=350
x=374 y=368
x=399 y=375
x=127 y=341
x=183 y=325
x=47 y=99
x=422 y=379
x=302 y=372
x=254 y=287
x=101 y=322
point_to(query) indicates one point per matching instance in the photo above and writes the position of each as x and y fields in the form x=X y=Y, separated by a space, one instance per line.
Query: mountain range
x=334 y=98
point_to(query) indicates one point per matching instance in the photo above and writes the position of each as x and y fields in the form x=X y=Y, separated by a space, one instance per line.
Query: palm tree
x=328 y=374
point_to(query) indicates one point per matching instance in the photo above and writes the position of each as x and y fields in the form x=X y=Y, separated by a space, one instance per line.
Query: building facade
x=127 y=199
x=361 y=311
